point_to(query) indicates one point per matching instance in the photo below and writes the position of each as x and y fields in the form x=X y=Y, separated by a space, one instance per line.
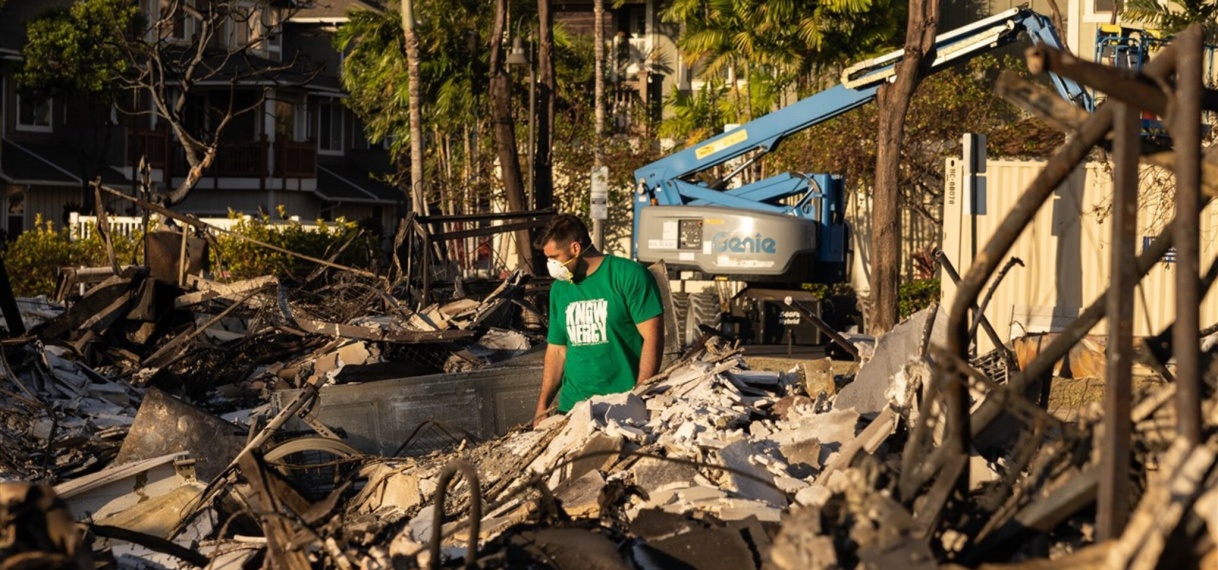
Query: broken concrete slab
x=818 y=377
x=388 y=486
x=581 y=497
x=866 y=393
x=832 y=429
x=658 y=475
x=758 y=484
x=625 y=408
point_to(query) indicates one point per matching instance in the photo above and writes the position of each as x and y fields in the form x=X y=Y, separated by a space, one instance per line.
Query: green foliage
x=790 y=38
x=80 y=49
x=453 y=68
x=1172 y=18
x=946 y=105
x=913 y=296
x=34 y=258
x=697 y=115
x=237 y=258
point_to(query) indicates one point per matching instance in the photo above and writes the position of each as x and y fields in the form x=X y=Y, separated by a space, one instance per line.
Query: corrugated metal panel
x=379 y=416
x=1065 y=250
x=918 y=234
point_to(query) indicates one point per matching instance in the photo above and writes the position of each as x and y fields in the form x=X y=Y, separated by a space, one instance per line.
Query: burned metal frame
x=426 y=241
x=1170 y=86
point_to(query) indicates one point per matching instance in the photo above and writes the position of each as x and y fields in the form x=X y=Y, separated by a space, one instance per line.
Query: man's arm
x=653 y=347
x=551 y=379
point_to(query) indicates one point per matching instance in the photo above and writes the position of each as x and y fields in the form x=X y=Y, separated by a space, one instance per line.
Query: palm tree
x=1174 y=18
x=779 y=43
x=452 y=85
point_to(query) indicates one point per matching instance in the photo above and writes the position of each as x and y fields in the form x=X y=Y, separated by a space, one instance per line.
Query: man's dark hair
x=563 y=229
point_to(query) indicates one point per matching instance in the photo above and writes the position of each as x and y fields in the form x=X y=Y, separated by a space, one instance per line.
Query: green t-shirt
x=596 y=319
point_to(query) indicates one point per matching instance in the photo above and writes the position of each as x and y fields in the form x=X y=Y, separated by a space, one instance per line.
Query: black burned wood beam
x=8 y=304
x=1040 y=516
x=159 y=357
x=492 y=230
x=1122 y=84
x=152 y=543
x=1115 y=454
x=487 y=217
x=205 y=226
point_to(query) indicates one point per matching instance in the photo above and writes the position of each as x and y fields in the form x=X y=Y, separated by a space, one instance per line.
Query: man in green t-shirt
x=606 y=328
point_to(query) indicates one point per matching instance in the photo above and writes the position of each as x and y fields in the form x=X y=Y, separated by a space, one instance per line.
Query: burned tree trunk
x=886 y=222
x=543 y=160
x=504 y=132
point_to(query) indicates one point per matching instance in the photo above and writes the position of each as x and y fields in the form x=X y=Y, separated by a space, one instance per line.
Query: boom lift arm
x=663 y=224
x=860 y=83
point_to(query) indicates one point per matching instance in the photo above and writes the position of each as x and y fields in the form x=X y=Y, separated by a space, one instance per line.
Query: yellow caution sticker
x=733 y=138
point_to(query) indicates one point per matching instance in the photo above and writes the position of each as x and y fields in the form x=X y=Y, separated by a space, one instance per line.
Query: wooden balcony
x=295 y=159
x=245 y=159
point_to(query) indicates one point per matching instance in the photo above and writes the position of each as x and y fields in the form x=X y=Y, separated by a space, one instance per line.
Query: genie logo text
x=725 y=242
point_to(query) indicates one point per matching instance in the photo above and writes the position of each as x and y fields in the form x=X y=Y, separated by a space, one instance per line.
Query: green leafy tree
x=452 y=82
x=80 y=49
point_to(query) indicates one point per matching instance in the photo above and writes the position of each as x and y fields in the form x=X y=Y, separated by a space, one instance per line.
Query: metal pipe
x=475 y=511
x=1093 y=129
x=1185 y=129
x=823 y=327
x=979 y=312
x=1059 y=167
x=1113 y=501
x=1126 y=85
x=950 y=270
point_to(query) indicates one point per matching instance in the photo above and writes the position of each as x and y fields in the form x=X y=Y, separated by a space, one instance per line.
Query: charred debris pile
x=150 y=425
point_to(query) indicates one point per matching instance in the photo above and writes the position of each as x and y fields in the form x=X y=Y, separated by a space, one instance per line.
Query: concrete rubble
x=252 y=424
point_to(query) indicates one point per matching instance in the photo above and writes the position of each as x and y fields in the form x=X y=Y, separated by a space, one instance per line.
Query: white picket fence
x=81 y=227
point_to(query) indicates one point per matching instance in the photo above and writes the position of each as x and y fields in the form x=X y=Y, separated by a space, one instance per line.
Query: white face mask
x=558 y=270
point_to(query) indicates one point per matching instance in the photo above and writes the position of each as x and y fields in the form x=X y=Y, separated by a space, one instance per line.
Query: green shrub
x=238 y=258
x=34 y=258
x=914 y=296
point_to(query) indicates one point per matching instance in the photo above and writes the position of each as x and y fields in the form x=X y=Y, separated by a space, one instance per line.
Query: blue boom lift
x=789 y=228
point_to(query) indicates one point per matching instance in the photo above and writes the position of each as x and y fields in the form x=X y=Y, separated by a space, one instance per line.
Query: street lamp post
x=517 y=58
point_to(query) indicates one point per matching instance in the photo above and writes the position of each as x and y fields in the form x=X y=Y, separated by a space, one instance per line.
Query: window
x=239 y=23
x=34 y=114
x=330 y=128
x=175 y=23
x=291 y=121
x=1101 y=6
x=273 y=31
x=15 y=202
x=300 y=118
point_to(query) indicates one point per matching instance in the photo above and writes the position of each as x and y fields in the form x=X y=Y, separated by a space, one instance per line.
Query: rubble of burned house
x=708 y=465
x=222 y=426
